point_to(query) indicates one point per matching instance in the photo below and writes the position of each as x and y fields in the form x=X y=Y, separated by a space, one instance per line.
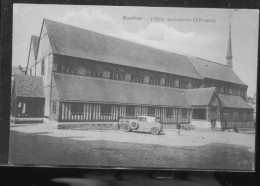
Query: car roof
x=147 y=116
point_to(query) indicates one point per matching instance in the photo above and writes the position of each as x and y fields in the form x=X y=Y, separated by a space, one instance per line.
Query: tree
x=251 y=100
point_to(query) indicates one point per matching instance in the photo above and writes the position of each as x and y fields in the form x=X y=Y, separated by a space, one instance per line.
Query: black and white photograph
x=134 y=87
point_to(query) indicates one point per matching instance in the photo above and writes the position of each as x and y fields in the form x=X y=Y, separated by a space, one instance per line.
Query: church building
x=83 y=77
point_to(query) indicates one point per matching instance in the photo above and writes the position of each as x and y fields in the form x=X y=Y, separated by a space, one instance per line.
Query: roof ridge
x=162 y=50
x=122 y=82
x=211 y=61
x=191 y=56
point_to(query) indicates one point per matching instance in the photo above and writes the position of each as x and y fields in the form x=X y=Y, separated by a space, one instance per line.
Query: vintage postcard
x=134 y=87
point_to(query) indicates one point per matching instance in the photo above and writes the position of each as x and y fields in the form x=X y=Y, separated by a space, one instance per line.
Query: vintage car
x=141 y=123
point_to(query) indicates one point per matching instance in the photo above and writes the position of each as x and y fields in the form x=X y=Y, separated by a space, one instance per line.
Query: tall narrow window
x=77 y=108
x=106 y=109
x=167 y=82
x=168 y=112
x=184 y=113
x=121 y=77
x=157 y=81
x=151 y=81
x=130 y=111
x=140 y=79
x=43 y=68
x=151 y=111
x=54 y=107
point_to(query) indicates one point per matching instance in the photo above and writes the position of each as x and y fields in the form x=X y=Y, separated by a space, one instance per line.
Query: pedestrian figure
x=178 y=126
x=235 y=128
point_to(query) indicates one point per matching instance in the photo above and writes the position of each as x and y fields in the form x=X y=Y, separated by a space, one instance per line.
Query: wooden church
x=87 y=77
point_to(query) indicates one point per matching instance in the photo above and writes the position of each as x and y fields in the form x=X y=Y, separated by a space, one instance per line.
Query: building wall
x=236 y=114
x=44 y=67
x=213 y=113
x=27 y=107
x=201 y=124
x=84 y=67
x=226 y=87
x=31 y=62
x=55 y=109
x=92 y=112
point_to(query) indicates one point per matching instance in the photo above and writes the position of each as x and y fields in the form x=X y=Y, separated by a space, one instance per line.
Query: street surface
x=45 y=145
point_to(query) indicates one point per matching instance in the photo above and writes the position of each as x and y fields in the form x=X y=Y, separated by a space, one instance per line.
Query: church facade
x=88 y=77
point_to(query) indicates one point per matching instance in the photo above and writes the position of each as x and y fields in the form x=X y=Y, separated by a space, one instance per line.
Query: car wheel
x=134 y=125
x=155 y=131
x=126 y=128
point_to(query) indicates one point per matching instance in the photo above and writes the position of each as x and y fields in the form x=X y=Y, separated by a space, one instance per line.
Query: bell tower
x=229 y=48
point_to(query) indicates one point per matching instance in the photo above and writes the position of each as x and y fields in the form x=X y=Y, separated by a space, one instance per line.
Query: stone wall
x=88 y=126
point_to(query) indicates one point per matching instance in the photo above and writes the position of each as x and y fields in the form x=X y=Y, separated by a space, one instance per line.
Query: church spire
x=229 y=48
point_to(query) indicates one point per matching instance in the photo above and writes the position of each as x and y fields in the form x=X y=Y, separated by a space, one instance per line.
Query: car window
x=151 y=119
x=142 y=119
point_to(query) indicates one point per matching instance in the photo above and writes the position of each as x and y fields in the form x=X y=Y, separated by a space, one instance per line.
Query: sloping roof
x=35 y=43
x=87 y=89
x=28 y=86
x=215 y=71
x=200 y=96
x=232 y=101
x=72 y=41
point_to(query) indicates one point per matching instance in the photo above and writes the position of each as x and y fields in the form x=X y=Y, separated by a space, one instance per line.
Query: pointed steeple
x=229 y=48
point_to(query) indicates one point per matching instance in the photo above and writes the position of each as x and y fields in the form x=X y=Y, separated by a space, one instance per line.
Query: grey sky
x=207 y=40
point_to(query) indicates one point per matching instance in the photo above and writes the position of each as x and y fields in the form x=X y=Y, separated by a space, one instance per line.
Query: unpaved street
x=42 y=144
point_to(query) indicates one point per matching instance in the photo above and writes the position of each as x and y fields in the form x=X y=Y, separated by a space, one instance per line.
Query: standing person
x=178 y=126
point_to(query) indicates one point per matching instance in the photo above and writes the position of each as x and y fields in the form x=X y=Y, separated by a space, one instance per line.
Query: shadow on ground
x=32 y=149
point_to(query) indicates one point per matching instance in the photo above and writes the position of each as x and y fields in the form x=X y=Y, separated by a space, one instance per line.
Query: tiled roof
x=28 y=86
x=215 y=71
x=200 y=96
x=232 y=101
x=72 y=41
x=35 y=43
x=76 y=42
x=87 y=89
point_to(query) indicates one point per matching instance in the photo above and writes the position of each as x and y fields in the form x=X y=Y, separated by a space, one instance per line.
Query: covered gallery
x=79 y=98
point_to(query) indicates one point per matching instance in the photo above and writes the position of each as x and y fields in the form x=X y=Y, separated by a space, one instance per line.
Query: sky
x=191 y=31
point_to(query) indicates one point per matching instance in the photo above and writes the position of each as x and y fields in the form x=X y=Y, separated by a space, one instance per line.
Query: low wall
x=26 y=120
x=88 y=125
x=173 y=126
x=237 y=124
x=200 y=124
